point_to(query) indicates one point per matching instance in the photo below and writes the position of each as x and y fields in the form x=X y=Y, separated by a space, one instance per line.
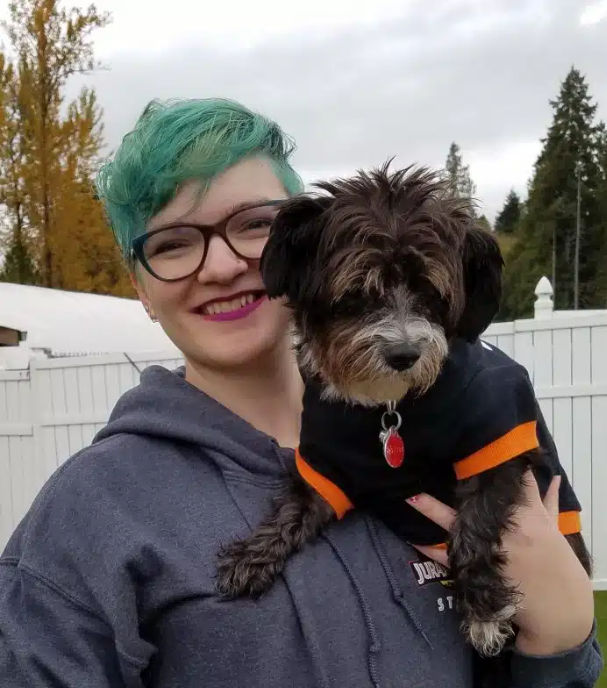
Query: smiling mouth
x=238 y=306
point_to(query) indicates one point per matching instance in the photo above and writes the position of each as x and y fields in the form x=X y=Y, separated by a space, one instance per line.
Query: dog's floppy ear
x=482 y=273
x=289 y=258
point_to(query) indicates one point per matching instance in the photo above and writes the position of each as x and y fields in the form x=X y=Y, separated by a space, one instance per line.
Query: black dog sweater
x=480 y=413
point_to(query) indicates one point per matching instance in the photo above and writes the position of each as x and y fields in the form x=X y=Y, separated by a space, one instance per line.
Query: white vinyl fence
x=567 y=360
x=54 y=408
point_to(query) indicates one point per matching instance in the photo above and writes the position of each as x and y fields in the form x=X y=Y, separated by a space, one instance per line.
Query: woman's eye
x=347 y=306
x=257 y=224
x=168 y=246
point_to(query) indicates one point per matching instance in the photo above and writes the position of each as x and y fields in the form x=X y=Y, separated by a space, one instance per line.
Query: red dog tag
x=394 y=448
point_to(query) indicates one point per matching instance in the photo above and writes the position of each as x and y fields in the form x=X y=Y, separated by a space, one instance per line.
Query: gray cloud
x=407 y=87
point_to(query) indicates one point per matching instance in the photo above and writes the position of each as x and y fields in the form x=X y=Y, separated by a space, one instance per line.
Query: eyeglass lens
x=177 y=252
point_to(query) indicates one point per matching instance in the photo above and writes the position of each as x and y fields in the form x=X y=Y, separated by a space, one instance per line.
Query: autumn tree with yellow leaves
x=54 y=230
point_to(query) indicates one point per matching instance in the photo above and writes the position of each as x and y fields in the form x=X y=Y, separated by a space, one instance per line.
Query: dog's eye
x=349 y=305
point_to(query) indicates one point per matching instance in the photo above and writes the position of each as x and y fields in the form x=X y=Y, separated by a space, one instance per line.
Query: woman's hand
x=557 y=606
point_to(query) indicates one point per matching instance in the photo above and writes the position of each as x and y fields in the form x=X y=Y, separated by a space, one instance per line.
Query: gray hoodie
x=108 y=580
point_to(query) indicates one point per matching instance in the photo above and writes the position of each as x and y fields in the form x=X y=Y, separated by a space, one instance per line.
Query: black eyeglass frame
x=207 y=231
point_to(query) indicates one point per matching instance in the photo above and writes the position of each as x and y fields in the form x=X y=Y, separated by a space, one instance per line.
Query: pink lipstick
x=237 y=314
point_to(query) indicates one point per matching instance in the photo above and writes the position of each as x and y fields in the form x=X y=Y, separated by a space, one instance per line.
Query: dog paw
x=241 y=573
x=489 y=637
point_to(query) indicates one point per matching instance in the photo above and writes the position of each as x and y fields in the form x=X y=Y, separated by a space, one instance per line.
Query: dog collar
x=392 y=442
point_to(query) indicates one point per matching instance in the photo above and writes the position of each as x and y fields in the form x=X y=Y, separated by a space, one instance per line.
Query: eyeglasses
x=178 y=251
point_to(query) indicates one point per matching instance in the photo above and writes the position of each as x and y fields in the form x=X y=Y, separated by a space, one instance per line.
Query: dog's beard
x=351 y=362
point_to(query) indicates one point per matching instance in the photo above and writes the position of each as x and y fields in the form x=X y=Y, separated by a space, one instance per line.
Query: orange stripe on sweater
x=325 y=488
x=520 y=439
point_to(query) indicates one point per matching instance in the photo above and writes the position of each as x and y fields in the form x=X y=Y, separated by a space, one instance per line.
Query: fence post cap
x=544 y=288
x=543 y=306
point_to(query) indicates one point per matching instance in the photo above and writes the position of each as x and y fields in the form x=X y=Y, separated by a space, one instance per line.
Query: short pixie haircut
x=179 y=140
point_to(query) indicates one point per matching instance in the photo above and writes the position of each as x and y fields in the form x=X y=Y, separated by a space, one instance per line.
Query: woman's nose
x=221 y=264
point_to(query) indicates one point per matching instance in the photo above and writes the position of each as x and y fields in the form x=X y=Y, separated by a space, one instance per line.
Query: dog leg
x=250 y=566
x=487 y=602
x=485 y=506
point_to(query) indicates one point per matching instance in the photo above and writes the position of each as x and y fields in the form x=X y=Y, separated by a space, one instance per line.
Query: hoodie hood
x=167 y=407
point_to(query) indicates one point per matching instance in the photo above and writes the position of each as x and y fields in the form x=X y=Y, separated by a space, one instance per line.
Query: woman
x=109 y=579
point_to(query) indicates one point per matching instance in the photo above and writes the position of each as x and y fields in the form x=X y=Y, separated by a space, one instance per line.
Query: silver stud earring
x=151 y=314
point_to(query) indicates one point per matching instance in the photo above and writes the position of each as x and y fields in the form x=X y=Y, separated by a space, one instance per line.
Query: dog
x=391 y=283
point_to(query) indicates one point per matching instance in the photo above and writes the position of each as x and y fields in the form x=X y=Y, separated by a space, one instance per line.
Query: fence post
x=544 y=305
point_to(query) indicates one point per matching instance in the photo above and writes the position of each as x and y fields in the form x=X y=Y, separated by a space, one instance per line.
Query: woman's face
x=203 y=314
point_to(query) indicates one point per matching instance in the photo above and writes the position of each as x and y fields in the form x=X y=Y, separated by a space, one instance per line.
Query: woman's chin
x=235 y=345
x=233 y=353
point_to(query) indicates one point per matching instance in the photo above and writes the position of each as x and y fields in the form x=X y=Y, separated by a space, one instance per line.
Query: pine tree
x=601 y=272
x=459 y=174
x=484 y=223
x=18 y=265
x=547 y=232
x=508 y=218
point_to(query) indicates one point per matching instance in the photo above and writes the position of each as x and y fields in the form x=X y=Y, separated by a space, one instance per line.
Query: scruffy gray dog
x=391 y=283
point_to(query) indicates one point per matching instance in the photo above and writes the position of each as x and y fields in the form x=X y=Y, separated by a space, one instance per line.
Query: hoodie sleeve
x=49 y=640
x=69 y=615
x=576 y=668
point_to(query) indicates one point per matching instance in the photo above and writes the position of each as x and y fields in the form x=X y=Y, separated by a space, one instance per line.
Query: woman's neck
x=268 y=394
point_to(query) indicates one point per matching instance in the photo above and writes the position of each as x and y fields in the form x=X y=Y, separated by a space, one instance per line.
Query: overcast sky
x=358 y=81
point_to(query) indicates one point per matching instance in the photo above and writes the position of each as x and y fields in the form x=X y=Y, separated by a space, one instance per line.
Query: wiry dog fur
x=382 y=272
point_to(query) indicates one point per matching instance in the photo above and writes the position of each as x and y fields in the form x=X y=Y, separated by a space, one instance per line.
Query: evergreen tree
x=459 y=174
x=601 y=273
x=509 y=216
x=484 y=223
x=18 y=265
x=547 y=233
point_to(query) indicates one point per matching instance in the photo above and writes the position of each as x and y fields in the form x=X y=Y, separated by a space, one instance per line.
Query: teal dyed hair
x=176 y=141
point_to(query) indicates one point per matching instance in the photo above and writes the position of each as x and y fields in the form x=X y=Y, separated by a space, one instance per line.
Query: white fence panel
x=598 y=378
x=52 y=410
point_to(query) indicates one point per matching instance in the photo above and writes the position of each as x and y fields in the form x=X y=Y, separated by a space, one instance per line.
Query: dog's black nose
x=401 y=356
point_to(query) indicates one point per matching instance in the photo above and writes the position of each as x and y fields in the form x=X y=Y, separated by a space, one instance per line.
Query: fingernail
x=412 y=500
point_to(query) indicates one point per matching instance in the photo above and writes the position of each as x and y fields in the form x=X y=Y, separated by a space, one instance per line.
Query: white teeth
x=227 y=306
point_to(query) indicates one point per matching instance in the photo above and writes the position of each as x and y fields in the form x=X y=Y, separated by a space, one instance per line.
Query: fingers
x=444 y=515
x=436 y=511
x=531 y=490
x=436 y=553
x=533 y=498
x=551 y=499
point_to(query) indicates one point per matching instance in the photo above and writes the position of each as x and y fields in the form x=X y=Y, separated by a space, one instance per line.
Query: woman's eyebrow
x=246 y=204
x=183 y=220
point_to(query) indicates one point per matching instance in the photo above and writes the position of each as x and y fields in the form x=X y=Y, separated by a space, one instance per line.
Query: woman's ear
x=138 y=287
x=482 y=272
x=141 y=293
x=289 y=265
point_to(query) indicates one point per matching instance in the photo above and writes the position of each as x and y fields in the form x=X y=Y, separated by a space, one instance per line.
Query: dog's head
x=381 y=272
